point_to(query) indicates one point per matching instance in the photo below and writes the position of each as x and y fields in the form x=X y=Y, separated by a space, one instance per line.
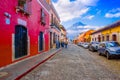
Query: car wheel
x=99 y=53
x=92 y=49
x=89 y=48
x=108 y=55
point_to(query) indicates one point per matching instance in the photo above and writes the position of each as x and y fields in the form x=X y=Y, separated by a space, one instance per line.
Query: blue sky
x=94 y=13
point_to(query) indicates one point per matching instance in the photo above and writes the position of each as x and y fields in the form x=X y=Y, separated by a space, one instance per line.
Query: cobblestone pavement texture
x=76 y=63
x=13 y=71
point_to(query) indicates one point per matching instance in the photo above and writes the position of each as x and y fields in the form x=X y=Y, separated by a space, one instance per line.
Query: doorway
x=114 y=37
x=50 y=39
x=21 y=43
x=41 y=42
x=107 y=38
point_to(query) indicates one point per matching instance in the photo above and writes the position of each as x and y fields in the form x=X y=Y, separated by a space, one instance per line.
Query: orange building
x=85 y=37
x=75 y=41
x=81 y=37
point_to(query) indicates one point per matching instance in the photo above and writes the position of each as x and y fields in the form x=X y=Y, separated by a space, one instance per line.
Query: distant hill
x=78 y=24
x=76 y=28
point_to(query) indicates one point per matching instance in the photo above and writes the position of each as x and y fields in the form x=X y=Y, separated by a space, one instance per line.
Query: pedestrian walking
x=66 y=42
x=57 y=44
x=62 y=42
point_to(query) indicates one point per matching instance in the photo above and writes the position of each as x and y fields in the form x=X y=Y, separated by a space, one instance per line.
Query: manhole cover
x=3 y=74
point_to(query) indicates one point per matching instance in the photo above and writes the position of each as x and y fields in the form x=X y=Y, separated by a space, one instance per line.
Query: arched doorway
x=107 y=38
x=21 y=38
x=103 y=38
x=114 y=37
x=95 y=39
x=99 y=38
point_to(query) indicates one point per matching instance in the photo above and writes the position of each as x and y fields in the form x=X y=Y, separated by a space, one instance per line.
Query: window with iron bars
x=24 y=6
x=43 y=18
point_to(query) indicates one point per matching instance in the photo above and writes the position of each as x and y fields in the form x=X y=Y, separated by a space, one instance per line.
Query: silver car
x=85 y=45
x=93 y=46
x=109 y=48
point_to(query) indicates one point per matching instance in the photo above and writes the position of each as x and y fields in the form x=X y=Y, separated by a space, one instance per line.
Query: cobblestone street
x=60 y=40
x=76 y=63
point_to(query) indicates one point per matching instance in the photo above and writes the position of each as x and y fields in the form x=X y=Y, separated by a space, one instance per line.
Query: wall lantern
x=7 y=19
x=7 y=15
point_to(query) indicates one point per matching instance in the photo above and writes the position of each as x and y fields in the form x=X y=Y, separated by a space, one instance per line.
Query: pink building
x=24 y=28
x=55 y=33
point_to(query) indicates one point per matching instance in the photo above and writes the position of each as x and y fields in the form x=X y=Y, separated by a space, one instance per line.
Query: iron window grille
x=43 y=18
x=24 y=6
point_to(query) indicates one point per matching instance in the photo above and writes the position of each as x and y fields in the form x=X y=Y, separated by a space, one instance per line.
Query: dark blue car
x=109 y=48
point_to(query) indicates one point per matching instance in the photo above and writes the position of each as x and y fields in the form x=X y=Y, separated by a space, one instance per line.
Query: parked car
x=109 y=48
x=85 y=45
x=93 y=46
x=79 y=44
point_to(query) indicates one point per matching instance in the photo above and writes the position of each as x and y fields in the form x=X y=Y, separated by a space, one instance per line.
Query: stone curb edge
x=25 y=73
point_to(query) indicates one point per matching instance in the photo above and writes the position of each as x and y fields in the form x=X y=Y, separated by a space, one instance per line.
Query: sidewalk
x=18 y=70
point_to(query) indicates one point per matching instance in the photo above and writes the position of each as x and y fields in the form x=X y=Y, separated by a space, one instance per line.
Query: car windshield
x=95 y=42
x=86 y=43
x=113 y=44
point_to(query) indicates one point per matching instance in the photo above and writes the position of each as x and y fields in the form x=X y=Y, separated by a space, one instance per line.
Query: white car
x=85 y=45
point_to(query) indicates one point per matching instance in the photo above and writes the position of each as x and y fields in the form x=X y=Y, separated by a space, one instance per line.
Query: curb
x=25 y=73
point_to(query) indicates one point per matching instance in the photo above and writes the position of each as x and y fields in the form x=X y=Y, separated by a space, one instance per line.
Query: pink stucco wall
x=8 y=30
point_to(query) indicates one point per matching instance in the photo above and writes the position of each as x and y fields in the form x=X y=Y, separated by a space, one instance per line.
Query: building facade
x=55 y=33
x=63 y=33
x=96 y=36
x=85 y=37
x=25 y=29
x=108 y=33
x=81 y=37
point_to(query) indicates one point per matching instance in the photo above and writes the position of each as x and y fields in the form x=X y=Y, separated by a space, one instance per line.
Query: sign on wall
x=22 y=22
x=7 y=20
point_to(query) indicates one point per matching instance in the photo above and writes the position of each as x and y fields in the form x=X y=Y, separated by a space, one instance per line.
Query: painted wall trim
x=13 y=47
x=43 y=6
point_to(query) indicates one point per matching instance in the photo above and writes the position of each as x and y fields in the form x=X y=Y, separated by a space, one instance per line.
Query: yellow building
x=111 y=32
x=108 y=33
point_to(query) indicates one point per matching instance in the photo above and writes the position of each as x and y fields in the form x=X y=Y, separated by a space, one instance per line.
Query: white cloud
x=99 y=12
x=113 y=13
x=71 y=32
x=110 y=15
x=92 y=27
x=89 y=17
x=80 y=29
x=69 y=10
x=115 y=10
